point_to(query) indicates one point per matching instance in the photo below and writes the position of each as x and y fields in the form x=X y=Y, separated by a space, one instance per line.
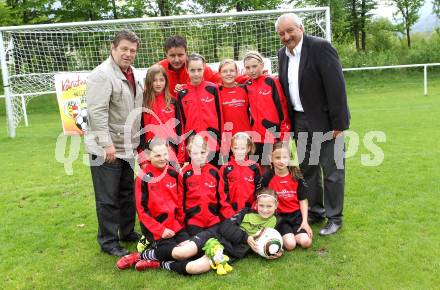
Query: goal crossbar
x=31 y=55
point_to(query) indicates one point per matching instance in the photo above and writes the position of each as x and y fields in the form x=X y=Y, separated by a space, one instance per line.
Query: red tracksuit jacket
x=239 y=183
x=181 y=76
x=203 y=204
x=201 y=111
x=157 y=201
x=162 y=122
x=268 y=107
x=235 y=108
x=288 y=189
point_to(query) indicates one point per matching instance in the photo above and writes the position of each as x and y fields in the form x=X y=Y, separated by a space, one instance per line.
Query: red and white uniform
x=201 y=112
x=163 y=122
x=181 y=76
x=239 y=183
x=268 y=108
x=288 y=190
x=157 y=203
x=203 y=204
x=235 y=108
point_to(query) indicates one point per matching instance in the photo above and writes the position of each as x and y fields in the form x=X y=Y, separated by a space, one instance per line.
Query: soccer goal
x=31 y=55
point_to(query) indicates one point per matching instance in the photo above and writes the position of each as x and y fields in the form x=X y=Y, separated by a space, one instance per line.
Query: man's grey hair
x=292 y=16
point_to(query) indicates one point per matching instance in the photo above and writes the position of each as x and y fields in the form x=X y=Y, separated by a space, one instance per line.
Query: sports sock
x=162 y=253
x=176 y=266
x=149 y=254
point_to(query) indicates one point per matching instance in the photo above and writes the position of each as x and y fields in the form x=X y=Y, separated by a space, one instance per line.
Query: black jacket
x=321 y=85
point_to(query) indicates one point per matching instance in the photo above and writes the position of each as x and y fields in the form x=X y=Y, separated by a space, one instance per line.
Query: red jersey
x=289 y=193
x=202 y=203
x=235 y=108
x=201 y=111
x=157 y=201
x=181 y=76
x=268 y=108
x=239 y=183
x=162 y=122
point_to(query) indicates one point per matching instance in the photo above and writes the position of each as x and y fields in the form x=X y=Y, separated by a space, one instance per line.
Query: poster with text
x=71 y=89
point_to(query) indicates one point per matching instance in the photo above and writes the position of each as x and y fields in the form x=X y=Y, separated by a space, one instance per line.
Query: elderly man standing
x=311 y=76
x=113 y=92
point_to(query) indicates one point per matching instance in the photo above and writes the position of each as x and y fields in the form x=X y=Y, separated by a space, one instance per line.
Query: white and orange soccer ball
x=269 y=242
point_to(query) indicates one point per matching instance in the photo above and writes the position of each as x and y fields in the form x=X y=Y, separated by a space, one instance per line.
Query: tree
x=8 y=16
x=360 y=15
x=408 y=10
x=340 y=16
x=436 y=7
x=28 y=11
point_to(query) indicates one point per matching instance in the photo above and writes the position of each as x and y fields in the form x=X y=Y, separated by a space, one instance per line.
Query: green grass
x=390 y=238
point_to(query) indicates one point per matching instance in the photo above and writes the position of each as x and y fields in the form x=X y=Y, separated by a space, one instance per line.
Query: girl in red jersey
x=235 y=105
x=240 y=178
x=161 y=115
x=203 y=205
x=268 y=106
x=200 y=106
x=233 y=98
x=288 y=182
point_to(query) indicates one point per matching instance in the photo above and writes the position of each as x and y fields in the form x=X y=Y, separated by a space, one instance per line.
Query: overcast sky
x=387 y=10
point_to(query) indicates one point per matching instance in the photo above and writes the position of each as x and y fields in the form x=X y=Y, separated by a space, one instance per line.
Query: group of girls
x=180 y=208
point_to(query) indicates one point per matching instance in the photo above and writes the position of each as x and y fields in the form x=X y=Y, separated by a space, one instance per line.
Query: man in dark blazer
x=311 y=77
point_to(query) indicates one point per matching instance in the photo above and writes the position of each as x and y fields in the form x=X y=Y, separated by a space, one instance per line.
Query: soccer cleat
x=143 y=265
x=128 y=261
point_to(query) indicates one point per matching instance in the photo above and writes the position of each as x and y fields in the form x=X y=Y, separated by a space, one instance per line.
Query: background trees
x=361 y=37
x=408 y=13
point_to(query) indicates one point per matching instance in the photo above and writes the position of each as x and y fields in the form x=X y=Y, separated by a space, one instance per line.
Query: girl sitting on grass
x=235 y=234
x=291 y=188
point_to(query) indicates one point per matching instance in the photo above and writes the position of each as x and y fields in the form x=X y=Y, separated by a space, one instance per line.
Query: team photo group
x=214 y=150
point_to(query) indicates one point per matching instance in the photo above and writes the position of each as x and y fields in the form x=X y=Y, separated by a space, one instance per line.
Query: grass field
x=390 y=238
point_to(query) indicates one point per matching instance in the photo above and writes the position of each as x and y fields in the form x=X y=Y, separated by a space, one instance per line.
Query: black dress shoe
x=330 y=228
x=117 y=251
x=131 y=238
x=315 y=220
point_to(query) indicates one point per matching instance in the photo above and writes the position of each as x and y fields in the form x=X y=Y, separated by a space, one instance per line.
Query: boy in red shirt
x=175 y=64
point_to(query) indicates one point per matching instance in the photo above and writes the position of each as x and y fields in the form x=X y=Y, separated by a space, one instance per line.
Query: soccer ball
x=81 y=119
x=269 y=242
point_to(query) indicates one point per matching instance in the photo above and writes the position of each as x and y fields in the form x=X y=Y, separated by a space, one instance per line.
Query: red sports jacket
x=268 y=108
x=162 y=122
x=157 y=201
x=239 y=183
x=288 y=190
x=181 y=76
x=203 y=204
x=201 y=111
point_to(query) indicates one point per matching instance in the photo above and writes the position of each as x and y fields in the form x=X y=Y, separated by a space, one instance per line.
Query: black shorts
x=194 y=230
x=201 y=238
x=289 y=223
x=179 y=237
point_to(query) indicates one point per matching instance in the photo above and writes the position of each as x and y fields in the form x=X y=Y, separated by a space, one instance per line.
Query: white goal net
x=33 y=54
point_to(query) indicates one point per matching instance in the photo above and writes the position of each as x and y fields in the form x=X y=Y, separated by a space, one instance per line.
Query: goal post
x=31 y=55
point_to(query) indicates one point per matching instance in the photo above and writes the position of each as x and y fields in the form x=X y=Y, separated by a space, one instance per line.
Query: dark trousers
x=322 y=163
x=114 y=195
